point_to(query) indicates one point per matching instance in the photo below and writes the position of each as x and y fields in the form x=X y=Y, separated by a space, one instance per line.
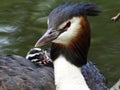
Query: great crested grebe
x=69 y=32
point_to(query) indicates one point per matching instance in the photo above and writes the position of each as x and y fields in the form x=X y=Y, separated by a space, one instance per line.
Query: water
x=22 y=22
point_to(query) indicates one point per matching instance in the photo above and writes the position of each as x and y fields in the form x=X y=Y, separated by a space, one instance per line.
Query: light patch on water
x=4 y=41
x=7 y=29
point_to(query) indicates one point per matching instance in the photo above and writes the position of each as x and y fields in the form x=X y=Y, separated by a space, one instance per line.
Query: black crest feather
x=69 y=10
x=80 y=9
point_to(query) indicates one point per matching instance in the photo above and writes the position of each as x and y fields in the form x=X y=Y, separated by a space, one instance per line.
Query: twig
x=116 y=18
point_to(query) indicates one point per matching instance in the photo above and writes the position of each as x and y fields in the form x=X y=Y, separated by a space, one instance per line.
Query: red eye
x=68 y=24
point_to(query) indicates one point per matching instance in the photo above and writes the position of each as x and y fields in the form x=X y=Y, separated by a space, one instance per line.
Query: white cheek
x=66 y=36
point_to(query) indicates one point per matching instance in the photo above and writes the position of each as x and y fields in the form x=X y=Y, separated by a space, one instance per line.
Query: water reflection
x=22 y=22
x=4 y=41
x=7 y=29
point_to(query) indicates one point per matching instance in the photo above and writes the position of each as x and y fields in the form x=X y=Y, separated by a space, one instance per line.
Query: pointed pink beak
x=47 y=37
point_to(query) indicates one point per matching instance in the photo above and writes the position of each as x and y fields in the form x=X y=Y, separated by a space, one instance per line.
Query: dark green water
x=22 y=22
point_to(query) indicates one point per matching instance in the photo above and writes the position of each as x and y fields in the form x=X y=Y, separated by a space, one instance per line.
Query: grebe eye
x=67 y=25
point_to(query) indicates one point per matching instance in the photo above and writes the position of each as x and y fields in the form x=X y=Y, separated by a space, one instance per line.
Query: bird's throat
x=68 y=76
x=73 y=54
